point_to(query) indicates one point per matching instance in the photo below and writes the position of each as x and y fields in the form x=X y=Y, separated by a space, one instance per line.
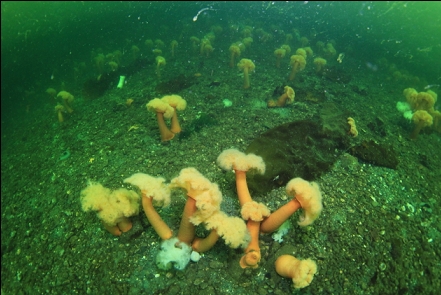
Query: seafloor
x=379 y=232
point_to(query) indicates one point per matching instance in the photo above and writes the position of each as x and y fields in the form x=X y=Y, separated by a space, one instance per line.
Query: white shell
x=195 y=256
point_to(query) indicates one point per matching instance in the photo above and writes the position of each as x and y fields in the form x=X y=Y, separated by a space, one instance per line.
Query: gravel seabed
x=379 y=231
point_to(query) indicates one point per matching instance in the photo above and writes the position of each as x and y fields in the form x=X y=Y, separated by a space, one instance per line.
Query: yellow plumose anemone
x=301 y=272
x=298 y=64
x=301 y=51
x=319 y=64
x=235 y=52
x=286 y=98
x=59 y=109
x=308 y=51
x=177 y=103
x=420 y=100
x=112 y=207
x=247 y=66
x=162 y=110
x=160 y=62
x=67 y=100
x=421 y=119
x=279 y=53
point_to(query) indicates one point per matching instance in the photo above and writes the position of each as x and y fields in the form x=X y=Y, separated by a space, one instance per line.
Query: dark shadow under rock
x=303 y=149
x=376 y=154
